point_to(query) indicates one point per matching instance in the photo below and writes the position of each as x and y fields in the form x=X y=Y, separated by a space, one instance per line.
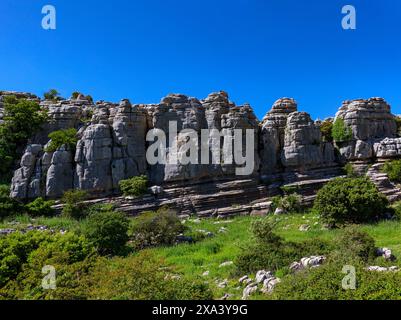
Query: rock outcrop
x=113 y=140
x=373 y=130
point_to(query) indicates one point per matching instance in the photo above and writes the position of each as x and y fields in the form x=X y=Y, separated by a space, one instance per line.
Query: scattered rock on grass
x=386 y=253
x=225 y=264
x=304 y=227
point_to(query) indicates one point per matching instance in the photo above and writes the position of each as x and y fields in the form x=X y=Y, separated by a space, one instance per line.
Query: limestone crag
x=272 y=135
x=287 y=150
x=371 y=122
x=303 y=146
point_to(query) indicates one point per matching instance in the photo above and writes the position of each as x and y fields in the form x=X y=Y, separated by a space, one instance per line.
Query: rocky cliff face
x=371 y=123
x=112 y=145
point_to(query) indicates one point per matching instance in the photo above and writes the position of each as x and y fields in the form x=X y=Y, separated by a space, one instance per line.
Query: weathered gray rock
x=370 y=121
x=273 y=133
x=303 y=147
x=288 y=150
x=307 y=262
x=249 y=290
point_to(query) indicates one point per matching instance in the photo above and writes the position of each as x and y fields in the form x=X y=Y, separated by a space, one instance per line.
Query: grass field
x=195 y=259
x=203 y=259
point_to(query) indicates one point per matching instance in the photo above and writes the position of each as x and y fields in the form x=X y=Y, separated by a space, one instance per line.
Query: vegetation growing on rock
x=136 y=186
x=59 y=138
x=340 y=131
x=22 y=119
x=393 y=170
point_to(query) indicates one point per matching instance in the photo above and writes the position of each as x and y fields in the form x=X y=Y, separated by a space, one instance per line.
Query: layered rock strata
x=288 y=149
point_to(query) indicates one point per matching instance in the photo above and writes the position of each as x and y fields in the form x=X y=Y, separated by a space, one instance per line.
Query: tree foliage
x=340 y=131
x=67 y=137
x=22 y=119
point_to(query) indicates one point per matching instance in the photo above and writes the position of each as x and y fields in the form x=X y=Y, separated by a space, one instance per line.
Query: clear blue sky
x=256 y=50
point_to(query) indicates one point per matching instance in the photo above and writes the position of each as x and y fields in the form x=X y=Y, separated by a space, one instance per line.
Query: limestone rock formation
x=287 y=150
x=370 y=121
x=303 y=146
x=272 y=134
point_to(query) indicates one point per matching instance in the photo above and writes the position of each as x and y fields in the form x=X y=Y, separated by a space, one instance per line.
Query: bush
x=52 y=94
x=326 y=129
x=349 y=171
x=270 y=252
x=143 y=277
x=262 y=231
x=136 y=186
x=59 y=138
x=353 y=244
x=74 y=207
x=40 y=207
x=290 y=203
x=340 y=131
x=350 y=200
x=8 y=206
x=325 y=283
x=156 y=228
x=22 y=119
x=15 y=250
x=393 y=170
x=107 y=231
x=70 y=255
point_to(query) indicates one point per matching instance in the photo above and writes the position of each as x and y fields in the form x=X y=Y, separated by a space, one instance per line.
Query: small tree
x=108 y=231
x=136 y=186
x=59 y=138
x=326 y=129
x=340 y=131
x=22 y=119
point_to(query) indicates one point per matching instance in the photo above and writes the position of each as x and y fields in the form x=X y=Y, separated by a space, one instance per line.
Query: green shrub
x=70 y=255
x=270 y=252
x=340 y=131
x=75 y=94
x=136 y=186
x=59 y=138
x=350 y=200
x=52 y=94
x=143 y=277
x=290 y=203
x=156 y=228
x=22 y=119
x=326 y=129
x=325 y=283
x=40 y=207
x=15 y=250
x=349 y=171
x=107 y=231
x=8 y=206
x=353 y=244
x=263 y=234
x=393 y=170
x=74 y=206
